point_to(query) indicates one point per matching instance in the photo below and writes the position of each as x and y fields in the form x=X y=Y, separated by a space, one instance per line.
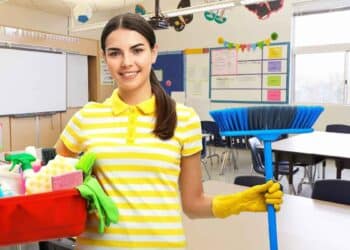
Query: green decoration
x=260 y=44
x=274 y=36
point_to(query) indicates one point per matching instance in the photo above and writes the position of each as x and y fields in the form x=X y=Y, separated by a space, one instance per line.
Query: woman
x=148 y=149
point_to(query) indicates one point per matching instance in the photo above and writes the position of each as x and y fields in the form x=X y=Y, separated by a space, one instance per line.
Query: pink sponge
x=67 y=181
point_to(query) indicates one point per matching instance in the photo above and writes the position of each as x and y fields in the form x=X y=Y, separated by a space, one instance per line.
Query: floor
x=244 y=164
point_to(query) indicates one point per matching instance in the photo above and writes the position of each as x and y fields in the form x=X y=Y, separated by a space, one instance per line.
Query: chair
x=204 y=156
x=216 y=140
x=236 y=143
x=257 y=156
x=332 y=190
x=250 y=180
x=340 y=164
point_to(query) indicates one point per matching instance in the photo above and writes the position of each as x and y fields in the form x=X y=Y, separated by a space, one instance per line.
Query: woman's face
x=129 y=58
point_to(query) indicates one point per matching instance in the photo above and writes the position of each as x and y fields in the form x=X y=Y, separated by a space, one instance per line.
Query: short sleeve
x=192 y=134
x=71 y=136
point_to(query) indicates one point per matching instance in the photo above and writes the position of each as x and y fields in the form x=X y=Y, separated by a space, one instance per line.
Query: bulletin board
x=254 y=76
x=197 y=83
x=197 y=75
x=169 y=69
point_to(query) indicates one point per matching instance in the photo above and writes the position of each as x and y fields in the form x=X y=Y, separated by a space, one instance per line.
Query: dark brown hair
x=165 y=106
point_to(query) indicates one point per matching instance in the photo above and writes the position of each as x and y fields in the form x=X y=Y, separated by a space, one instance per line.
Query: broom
x=267 y=123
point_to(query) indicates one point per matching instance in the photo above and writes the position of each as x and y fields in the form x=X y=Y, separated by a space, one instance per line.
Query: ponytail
x=166 y=119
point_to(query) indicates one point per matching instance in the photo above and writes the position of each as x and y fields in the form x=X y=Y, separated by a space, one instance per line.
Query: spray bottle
x=1 y=192
x=24 y=160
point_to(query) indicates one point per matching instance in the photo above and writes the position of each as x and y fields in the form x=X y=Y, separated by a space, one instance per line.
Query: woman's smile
x=128 y=75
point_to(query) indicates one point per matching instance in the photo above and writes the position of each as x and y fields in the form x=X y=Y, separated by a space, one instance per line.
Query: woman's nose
x=127 y=61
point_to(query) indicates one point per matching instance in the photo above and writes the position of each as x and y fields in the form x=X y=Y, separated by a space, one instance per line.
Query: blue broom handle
x=270 y=209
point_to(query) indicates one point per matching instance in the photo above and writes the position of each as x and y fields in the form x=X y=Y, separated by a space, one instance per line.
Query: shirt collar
x=119 y=106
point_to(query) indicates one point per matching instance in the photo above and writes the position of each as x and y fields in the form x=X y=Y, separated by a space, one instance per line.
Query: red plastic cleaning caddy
x=37 y=217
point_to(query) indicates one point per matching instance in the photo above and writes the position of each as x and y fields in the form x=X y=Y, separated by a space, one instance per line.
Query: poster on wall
x=223 y=62
x=106 y=77
x=252 y=76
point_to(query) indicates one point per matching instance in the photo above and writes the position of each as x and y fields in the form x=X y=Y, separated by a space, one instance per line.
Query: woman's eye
x=114 y=53
x=138 y=51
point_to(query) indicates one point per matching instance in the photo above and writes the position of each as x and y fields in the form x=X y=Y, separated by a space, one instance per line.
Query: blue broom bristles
x=267 y=123
x=266 y=117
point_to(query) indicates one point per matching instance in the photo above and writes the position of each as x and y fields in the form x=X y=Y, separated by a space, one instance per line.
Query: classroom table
x=311 y=148
x=302 y=224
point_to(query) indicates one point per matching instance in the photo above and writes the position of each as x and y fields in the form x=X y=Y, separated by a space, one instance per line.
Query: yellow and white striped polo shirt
x=138 y=170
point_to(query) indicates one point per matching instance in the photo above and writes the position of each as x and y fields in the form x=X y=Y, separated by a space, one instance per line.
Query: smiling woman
x=148 y=151
x=129 y=59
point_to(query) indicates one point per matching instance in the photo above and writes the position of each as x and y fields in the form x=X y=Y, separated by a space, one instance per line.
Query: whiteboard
x=31 y=82
x=77 y=80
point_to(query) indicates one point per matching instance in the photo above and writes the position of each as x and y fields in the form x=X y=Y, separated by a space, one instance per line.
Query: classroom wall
x=43 y=130
x=241 y=26
x=25 y=18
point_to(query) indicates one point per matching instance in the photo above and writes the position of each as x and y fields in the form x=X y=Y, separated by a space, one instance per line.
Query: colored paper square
x=159 y=74
x=274 y=81
x=275 y=52
x=274 y=95
x=67 y=181
x=274 y=66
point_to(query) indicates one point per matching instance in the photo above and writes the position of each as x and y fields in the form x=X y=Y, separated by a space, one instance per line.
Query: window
x=321 y=56
x=319 y=78
x=322 y=28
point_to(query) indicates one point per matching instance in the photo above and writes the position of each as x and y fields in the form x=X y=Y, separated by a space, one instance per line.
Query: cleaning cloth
x=107 y=211
x=92 y=191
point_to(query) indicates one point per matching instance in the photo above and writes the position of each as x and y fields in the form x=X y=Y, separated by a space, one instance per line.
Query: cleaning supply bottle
x=24 y=160
x=36 y=165
x=1 y=192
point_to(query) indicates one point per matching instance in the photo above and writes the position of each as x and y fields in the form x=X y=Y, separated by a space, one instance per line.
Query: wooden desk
x=302 y=224
x=311 y=148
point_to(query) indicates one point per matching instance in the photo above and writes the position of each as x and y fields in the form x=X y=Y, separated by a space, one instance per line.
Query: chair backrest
x=239 y=142
x=338 y=128
x=332 y=190
x=204 y=148
x=250 y=180
x=257 y=161
x=210 y=127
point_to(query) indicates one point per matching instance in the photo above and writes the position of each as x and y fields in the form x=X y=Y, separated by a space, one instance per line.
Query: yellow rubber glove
x=253 y=199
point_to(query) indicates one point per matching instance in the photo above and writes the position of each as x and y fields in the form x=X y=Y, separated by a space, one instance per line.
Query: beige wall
x=32 y=19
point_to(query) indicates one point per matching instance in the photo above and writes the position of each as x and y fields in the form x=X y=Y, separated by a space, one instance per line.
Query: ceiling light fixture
x=247 y=2
x=198 y=8
x=82 y=12
x=210 y=6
